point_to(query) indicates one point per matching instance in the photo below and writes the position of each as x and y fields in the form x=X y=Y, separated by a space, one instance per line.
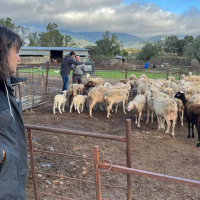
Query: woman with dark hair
x=13 y=158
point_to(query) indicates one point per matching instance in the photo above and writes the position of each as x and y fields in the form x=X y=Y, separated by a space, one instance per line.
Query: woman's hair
x=8 y=39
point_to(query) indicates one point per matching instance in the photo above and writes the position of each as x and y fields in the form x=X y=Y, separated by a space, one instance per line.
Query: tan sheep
x=116 y=96
x=78 y=102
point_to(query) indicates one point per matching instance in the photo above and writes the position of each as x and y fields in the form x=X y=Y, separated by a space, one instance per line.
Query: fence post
x=42 y=87
x=47 y=74
x=32 y=164
x=97 y=174
x=128 y=155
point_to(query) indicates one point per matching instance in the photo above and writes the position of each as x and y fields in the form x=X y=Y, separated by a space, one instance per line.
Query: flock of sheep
x=157 y=97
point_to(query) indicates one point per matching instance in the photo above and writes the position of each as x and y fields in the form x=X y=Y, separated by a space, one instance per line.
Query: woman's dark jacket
x=12 y=140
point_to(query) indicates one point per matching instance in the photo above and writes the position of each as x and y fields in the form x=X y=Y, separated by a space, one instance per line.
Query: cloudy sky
x=142 y=18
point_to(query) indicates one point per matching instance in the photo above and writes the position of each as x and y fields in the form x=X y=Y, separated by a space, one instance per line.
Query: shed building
x=38 y=55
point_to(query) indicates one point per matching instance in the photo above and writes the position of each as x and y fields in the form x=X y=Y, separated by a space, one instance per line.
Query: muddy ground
x=152 y=150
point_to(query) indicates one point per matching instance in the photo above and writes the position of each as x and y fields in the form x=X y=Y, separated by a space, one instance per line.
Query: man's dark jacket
x=66 y=65
x=12 y=140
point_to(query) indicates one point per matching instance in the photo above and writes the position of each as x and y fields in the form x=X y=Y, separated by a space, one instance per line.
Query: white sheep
x=78 y=102
x=98 y=81
x=137 y=105
x=166 y=110
x=59 y=100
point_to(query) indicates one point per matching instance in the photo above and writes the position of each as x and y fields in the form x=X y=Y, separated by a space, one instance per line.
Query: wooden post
x=97 y=174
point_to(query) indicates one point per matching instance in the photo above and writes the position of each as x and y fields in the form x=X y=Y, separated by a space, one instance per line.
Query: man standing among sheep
x=78 y=71
x=66 y=67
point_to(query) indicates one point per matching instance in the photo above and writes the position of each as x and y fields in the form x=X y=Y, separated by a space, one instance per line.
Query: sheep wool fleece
x=13 y=141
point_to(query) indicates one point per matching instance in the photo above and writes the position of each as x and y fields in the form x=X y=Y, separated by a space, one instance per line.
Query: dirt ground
x=152 y=150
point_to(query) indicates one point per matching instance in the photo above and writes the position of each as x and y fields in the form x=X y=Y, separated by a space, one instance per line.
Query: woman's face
x=13 y=59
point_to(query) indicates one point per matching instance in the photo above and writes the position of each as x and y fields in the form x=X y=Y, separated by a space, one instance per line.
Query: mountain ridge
x=127 y=39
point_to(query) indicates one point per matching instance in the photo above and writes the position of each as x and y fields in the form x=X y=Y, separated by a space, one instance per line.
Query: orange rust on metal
x=146 y=174
x=55 y=196
x=68 y=155
x=97 y=174
x=74 y=132
x=128 y=158
x=104 y=163
x=75 y=179
x=32 y=164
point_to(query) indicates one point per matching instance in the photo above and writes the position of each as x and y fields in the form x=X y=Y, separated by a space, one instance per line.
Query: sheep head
x=64 y=92
x=179 y=95
x=131 y=106
x=91 y=83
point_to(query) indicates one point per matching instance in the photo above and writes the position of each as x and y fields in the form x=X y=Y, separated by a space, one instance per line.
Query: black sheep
x=192 y=113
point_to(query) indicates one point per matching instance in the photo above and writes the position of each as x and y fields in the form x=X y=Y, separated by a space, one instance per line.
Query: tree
x=171 y=44
x=7 y=22
x=188 y=40
x=33 y=39
x=109 y=45
x=148 y=51
x=68 y=41
x=22 y=31
x=52 y=36
x=193 y=49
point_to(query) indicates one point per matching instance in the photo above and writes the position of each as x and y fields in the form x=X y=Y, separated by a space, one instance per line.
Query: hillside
x=89 y=38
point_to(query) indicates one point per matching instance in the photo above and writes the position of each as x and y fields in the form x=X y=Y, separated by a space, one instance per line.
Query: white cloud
x=101 y=15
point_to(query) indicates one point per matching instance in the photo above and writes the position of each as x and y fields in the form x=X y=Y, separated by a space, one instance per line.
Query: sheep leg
x=163 y=123
x=188 y=128
x=116 y=108
x=198 y=130
x=140 y=114
x=168 y=124
x=136 y=118
x=152 y=113
x=159 y=122
x=109 y=108
x=192 y=130
x=71 y=107
x=148 y=111
x=173 y=127
x=124 y=107
x=59 y=105
x=54 y=108
x=63 y=108
x=82 y=108
x=91 y=106
x=100 y=106
x=182 y=112
x=78 y=108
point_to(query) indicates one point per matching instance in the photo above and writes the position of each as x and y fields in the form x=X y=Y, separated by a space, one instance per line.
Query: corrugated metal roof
x=54 y=48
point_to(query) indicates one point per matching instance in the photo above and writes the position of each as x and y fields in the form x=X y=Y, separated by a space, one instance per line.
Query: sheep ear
x=181 y=92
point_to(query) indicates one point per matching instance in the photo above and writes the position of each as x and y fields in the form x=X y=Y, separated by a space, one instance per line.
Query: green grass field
x=106 y=73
